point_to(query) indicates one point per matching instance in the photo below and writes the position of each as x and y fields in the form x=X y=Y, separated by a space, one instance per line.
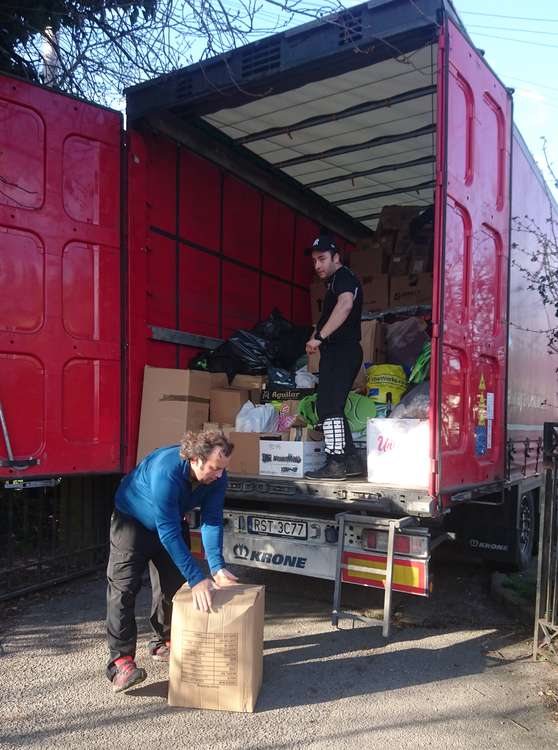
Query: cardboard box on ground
x=216 y=657
x=173 y=401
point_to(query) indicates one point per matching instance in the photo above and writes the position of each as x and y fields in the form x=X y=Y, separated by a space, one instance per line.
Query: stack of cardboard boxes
x=411 y=256
x=176 y=401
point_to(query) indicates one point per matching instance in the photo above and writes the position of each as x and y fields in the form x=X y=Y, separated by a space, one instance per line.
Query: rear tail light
x=404 y=544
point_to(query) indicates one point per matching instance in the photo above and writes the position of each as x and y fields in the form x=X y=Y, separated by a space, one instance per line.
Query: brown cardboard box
x=216 y=426
x=397 y=217
x=375 y=293
x=173 y=401
x=314 y=362
x=366 y=262
x=305 y=434
x=422 y=256
x=217 y=657
x=225 y=403
x=399 y=265
x=372 y=255
x=219 y=380
x=249 y=382
x=420 y=264
x=317 y=294
x=373 y=349
x=245 y=458
x=372 y=341
x=411 y=290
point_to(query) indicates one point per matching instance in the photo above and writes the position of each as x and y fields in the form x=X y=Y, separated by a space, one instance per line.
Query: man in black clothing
x=337 y=337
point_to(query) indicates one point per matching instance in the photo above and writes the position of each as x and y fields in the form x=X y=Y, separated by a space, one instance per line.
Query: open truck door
x=60 y=338
x=471 y=277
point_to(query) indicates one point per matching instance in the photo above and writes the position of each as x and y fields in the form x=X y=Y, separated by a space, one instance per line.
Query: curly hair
x=196 y=445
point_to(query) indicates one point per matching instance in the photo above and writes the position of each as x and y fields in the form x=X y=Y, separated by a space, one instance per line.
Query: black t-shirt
x=343 y=280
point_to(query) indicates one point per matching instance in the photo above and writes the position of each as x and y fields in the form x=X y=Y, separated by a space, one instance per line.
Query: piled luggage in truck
x=382 y=124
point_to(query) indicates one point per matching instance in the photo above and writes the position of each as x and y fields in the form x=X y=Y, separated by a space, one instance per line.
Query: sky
x=520 y=40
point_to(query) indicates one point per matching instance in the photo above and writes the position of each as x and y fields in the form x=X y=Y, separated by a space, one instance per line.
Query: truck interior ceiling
x=360 y=140
x=343 y=119
x=331 y=107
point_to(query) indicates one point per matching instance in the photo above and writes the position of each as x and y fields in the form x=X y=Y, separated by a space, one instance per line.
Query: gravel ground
x=456 y=673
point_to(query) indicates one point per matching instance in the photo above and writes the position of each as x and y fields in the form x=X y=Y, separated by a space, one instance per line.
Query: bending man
x=147 y=528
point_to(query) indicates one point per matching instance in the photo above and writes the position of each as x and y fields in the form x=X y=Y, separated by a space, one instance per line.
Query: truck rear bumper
x=354 y=495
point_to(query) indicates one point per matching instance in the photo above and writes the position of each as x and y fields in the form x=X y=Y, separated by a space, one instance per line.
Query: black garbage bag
x=274 y=326
x=279 y=378
x=243 y=353
x=254 y=352
x=292 y=346
x=288 y=339
x=223 y=359
x=273 y=342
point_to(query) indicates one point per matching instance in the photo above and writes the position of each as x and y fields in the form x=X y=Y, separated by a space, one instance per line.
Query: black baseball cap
x=323 y=243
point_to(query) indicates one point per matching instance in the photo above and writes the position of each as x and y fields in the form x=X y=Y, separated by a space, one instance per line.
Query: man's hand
x=202 y=594
x=224 y=577
x=312 y=345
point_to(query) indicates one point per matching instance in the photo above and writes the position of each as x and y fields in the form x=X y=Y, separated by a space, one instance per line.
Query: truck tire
x=525 y=533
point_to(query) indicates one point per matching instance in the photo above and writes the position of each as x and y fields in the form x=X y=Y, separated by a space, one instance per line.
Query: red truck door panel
x=473 y=283
x=59 y=281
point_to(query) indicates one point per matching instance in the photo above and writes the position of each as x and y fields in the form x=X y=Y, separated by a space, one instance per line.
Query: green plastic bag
x=358 y=409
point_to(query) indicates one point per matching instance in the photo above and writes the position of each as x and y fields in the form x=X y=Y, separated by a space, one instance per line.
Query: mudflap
x=492 y=528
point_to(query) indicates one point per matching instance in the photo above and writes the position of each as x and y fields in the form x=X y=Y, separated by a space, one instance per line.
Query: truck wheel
x=525 y=533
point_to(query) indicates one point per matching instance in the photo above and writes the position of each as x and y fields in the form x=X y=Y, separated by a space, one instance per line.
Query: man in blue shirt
x=147 y=528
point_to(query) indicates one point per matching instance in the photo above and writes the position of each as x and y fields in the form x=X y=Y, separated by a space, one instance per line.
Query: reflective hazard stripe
x=409 y=576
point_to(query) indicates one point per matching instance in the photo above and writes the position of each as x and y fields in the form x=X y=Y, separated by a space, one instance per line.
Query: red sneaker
x=127 y=674
x=160 y=651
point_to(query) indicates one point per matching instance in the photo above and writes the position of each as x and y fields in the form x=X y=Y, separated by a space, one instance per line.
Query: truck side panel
x=475 y=271
x=208 y=254
x=60 y=339
x=533 y=387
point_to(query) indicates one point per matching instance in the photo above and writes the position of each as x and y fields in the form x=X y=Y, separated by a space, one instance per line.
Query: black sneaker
x=353 y=465
x=333 y=470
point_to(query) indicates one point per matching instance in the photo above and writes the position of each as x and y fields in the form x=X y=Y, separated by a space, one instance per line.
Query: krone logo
x=241 y=551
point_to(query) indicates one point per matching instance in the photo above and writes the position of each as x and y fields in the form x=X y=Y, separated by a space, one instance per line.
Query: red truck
x=126 y=247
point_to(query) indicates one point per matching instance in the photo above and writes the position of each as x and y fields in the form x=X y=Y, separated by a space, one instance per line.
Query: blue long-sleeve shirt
x=158 y=492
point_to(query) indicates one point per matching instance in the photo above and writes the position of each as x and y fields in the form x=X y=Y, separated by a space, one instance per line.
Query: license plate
x=290 y=527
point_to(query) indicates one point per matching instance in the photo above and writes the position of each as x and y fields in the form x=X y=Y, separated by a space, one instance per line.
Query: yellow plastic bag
x=384 y=379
